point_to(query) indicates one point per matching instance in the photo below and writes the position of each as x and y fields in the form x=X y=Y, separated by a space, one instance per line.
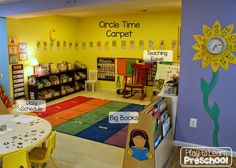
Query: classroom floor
x=74 y=152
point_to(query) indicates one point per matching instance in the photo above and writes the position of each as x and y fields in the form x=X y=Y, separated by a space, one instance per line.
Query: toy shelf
x=53 y=86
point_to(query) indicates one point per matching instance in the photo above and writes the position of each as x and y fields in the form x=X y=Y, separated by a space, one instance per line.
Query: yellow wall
x=155 y=26
x=37 y=29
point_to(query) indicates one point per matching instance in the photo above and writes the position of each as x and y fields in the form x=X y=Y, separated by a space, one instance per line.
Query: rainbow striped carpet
x=88 y=118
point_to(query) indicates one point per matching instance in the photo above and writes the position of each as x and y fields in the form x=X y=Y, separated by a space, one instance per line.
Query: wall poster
x=18 y=81
x=106 y=68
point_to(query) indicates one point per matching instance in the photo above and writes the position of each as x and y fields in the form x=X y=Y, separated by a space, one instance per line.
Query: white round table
x=23 y=132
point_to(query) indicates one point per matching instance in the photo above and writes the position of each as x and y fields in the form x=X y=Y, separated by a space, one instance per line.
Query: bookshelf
x=53 y=86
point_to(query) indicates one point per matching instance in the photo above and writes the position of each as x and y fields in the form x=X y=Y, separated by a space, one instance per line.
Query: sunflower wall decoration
x=215 y=49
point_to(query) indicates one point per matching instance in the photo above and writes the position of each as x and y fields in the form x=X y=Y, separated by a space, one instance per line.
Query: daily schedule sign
x=158 y=56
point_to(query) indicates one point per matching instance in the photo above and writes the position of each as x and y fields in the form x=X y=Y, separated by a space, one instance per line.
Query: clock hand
x=214 y=47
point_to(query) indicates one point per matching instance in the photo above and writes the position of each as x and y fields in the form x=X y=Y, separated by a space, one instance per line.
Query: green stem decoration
x=214 y=111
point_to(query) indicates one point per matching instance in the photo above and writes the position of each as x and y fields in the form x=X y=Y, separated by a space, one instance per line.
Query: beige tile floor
x=74 y=152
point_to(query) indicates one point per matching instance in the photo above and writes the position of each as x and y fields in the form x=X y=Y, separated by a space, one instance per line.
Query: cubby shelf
x=34 y=91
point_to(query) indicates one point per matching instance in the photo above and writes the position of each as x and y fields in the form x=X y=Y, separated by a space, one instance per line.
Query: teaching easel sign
x=158 y=56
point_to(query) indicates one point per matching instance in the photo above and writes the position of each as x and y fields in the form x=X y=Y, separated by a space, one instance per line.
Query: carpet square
x=68 y=114
x=67 y=104
x=133 y=108
x=77 y=124
x=115 y=105
x=49 y=111
x=119 y=138
x=55 y=120
x=84 y=107
x=97 y=102
x=100 y=131
x=71 y=127
x=81 y=99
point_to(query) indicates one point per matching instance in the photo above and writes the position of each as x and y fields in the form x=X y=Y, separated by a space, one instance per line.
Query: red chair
x=137 y=81
x=5 y=101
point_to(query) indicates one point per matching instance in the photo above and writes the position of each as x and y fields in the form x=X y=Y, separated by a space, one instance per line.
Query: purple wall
x=28 y=6
x=195 y=13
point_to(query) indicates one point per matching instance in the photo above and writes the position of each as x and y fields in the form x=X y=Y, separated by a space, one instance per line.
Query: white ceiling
x=107 y=9
x=8 y=1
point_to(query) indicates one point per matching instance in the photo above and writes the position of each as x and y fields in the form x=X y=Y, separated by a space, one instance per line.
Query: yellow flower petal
x=231 y=38
x=203 y=46
x=214 y=67
x=230 y=58
x=215 y=64
x=199 y=38
x=232 y=47
x=227 y=30
x=224 y=63
x=198 y=56
x=216 y=28
x=206 y=61
x=206 y=31
x=196 y=47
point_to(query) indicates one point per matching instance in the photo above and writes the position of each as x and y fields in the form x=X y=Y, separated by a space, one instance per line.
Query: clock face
x=216 y=45
x=32 y=81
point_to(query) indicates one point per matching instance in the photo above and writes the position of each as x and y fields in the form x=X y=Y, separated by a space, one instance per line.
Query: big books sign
x=158 y=56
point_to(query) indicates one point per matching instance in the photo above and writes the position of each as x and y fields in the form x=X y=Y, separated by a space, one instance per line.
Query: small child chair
x=16 y=159
x=93 y=80
x=42 y=155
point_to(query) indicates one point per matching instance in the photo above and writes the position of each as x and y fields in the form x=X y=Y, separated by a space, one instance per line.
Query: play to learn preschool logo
x=206 y=157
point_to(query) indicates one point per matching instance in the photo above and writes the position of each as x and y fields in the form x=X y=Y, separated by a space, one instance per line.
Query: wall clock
x=32 y=81
x=216 y=45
